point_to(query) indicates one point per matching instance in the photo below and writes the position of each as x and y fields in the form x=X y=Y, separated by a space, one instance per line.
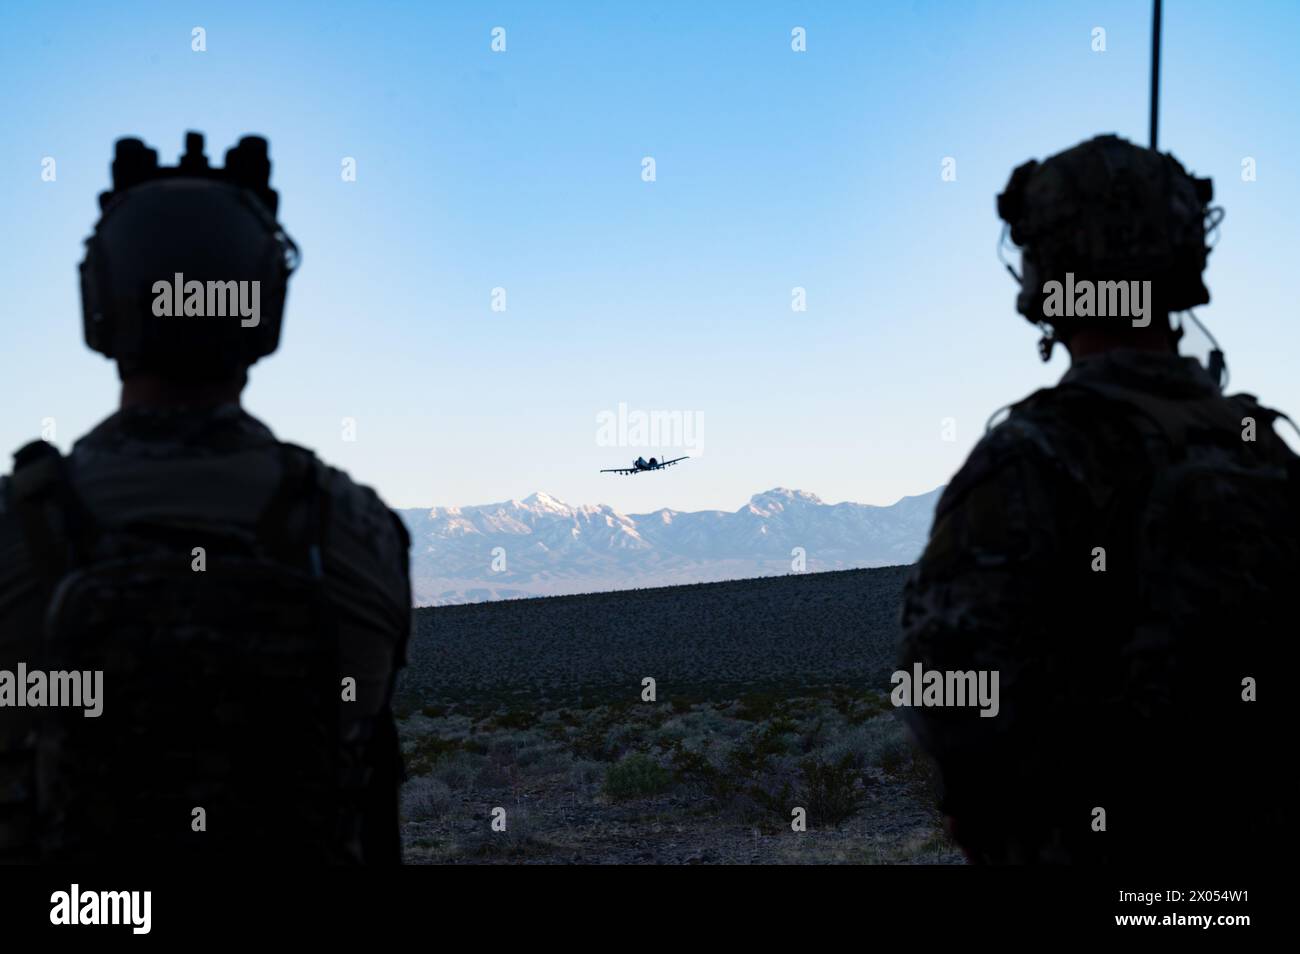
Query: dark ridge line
x=654 y=589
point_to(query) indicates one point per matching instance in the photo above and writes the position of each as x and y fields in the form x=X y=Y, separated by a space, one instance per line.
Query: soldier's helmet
x=164 y=228
x=1108 y=210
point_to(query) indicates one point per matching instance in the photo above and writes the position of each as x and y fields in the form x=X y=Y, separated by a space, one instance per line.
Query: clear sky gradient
x=523 y=170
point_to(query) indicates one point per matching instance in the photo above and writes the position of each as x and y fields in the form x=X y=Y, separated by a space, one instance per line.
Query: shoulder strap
x=301 y=484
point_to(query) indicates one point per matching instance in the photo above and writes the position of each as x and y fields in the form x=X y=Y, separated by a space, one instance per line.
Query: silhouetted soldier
x=1122 y=550
x=248 y=606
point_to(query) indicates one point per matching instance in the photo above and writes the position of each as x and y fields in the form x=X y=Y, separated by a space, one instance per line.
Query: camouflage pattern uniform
x=218 y=468
x=1103 y=703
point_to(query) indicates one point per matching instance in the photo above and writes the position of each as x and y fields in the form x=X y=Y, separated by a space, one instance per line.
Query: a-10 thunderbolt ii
x=641 y=465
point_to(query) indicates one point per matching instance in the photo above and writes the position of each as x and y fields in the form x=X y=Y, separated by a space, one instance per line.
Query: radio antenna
x=1155 y=73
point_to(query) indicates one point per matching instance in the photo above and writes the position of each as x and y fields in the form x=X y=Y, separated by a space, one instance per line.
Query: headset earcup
x=96 y=324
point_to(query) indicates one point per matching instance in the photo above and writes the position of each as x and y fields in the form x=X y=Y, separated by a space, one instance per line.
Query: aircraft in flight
x=641 y=464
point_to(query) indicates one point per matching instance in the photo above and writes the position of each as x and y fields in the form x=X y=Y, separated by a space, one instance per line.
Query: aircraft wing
x=673 y=461
x=620 y=470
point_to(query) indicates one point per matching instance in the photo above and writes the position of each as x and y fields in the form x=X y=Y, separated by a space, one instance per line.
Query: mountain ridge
x=542 y=546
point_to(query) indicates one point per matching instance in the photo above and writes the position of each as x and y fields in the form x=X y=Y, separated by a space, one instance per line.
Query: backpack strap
x=365 y=781
x=301 y=484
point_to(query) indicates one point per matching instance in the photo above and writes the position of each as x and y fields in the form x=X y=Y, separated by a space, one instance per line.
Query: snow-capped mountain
x=540 y=546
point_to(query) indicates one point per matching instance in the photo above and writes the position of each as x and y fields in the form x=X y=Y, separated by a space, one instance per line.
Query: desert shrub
x=831 y=790
x=893 y=754
x=495 y=774
x=888 y=748
x=593 y=742
x=424 y=798
x=690 y=764
x=516 y=719
x=531 y=754
x=880 y=742
x=670 y=733
x=426 y=750
x=636 y=776
x=693 y=767
x=768 y=805
x=584 y=773
x=751 y=756
x=814 y=737
x=625 y=737
x=759 y=706
x=782 y=725
x=619 y=709
x=434 y=712
x=520 y=838
x=459 y=770
x=541 y=755
x=549 y=761
x=557 y=732
x=857 y=709
x=504 y=747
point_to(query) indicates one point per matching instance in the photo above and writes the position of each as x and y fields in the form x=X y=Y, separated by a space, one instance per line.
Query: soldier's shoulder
x=1026 y=446
x=21 y=481
x=16 y=575
x=1014 y=493
x=8 y=525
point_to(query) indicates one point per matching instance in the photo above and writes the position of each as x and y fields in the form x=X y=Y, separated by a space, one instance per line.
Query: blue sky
x=523 y=170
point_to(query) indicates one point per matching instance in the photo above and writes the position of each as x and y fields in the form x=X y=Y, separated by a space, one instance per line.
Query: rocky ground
x=769 y=705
